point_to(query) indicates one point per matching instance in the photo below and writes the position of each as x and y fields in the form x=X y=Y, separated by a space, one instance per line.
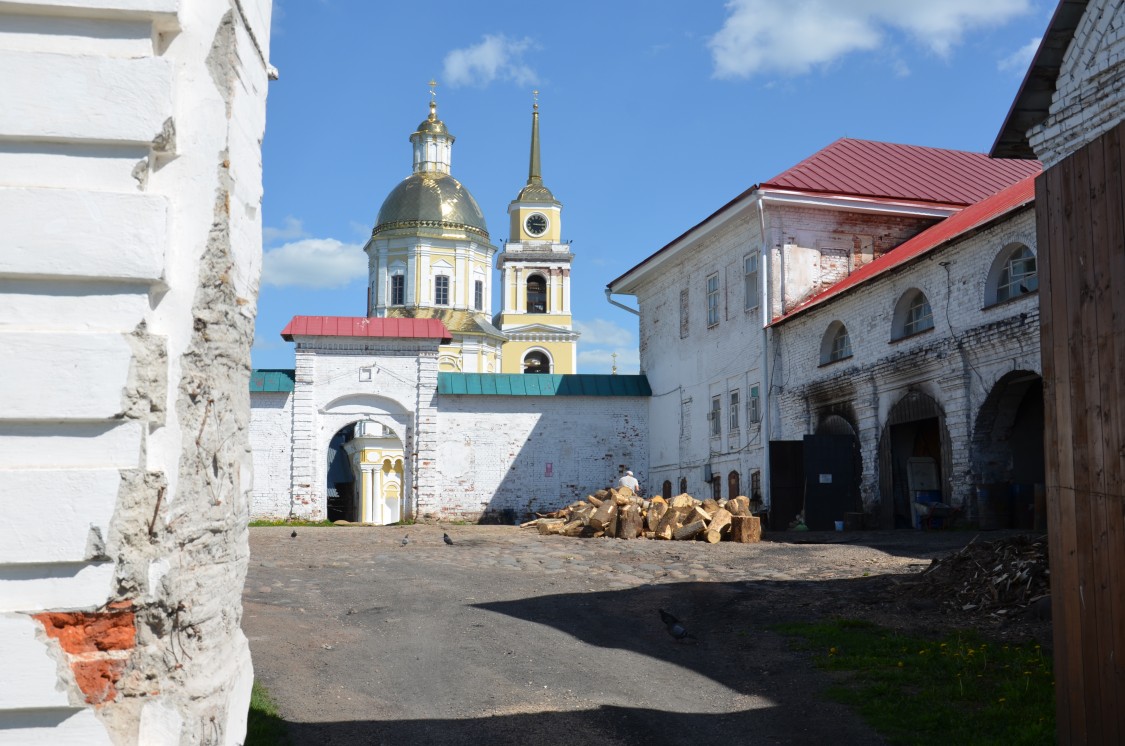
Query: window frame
x=442 y=288
x=399 y=279
x=754 y=405
x=830 y=349
x=1006 y=281
x=545 y=308
x=712 y=285
x=908 y=321
x=478 y=295
x=715 y=415
x=685 y=306
x=751 y=284
x=732 y=410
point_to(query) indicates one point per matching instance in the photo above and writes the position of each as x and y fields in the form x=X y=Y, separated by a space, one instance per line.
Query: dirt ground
x=509 y=637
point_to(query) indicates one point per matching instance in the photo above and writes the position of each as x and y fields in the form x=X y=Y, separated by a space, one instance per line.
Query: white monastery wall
x=271 y=434
x=532 y=453
x=809 y=250
x=130 y=188
x=1090 y=95
x=958 y=363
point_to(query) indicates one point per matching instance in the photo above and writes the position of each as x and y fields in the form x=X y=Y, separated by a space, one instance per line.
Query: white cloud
x=496 y=58
x=290 y=231
x=317 y=263
x=1020 y=60
x=791 y=37
x=601 y=332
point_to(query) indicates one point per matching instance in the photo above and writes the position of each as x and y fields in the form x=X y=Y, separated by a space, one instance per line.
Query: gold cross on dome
x=433 y=84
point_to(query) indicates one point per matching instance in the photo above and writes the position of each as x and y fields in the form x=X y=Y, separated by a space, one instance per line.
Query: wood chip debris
x=1000 y=578
x=618 y=513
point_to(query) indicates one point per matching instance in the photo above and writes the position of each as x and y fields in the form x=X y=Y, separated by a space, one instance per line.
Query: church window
x=536 y=362
x=536 y=294
x=715 y=415
x=666 y=490
x=713 y=300
x=441 y=290
x=913 y=315
x=733 y=410
x=754 y=406
x=836 y=344
x=683 y=485
x=683 y=313
x=751 y=282
x=398 y=290
x=1014 y=273
x=756 y=485
x=478 y=295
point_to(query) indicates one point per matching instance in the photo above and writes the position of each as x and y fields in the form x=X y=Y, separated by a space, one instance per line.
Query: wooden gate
x=1080 y=211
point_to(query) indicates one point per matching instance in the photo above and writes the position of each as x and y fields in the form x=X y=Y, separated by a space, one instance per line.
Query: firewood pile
x=998 y=578
x=618 y=513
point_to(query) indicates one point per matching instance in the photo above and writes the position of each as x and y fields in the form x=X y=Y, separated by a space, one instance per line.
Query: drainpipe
x=609 y=297
x=766 y=262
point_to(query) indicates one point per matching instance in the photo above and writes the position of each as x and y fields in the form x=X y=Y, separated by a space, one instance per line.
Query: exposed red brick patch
x=98 y=679
x=89 y=632
x=95 y=643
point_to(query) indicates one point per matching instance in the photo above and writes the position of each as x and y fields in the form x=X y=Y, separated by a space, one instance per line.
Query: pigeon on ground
x=446 y=539
x=406 y=540
x=293 y=535
x=675 y=629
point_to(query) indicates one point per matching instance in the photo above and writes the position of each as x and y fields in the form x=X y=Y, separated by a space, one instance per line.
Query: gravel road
x=508 y=637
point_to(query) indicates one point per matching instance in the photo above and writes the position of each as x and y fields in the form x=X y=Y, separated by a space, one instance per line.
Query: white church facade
x=431 y=406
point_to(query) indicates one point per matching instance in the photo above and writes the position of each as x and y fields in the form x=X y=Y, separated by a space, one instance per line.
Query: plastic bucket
x=839 y=525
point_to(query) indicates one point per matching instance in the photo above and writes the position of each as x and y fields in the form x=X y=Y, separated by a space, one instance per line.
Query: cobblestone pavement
x=512 y=637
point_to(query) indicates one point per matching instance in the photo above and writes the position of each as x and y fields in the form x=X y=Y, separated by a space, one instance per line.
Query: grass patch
x=915 y=690
x=288 y=522
x=264 y=726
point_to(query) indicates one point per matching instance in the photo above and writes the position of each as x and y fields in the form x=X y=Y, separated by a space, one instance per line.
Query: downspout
x=609 y=297
x=765 y=261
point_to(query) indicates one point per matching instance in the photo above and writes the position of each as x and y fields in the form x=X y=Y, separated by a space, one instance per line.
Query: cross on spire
x=535 y=99
x=433 y=84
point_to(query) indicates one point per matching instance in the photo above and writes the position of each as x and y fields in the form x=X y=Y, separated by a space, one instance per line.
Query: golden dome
x=431 y=199
x=431 y=125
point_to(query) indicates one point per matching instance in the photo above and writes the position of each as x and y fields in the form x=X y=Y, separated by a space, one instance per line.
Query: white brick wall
x=121 y=119
x=533 y=453
x=271 y=437
x=1089 y=97
x=957 y=363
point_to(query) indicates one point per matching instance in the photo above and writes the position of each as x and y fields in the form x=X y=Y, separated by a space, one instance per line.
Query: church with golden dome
x=441 y=402
x=430 y=257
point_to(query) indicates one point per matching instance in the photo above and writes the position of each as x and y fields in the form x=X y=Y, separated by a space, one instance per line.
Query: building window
x=685 y=420
x=754 y=406
x=715 y=416
x=536 y=362
x=478 y=295
x=683 y=485
x=716 y=487
x=913 y=315
x=536 y=294
x=733 y=410
x=755 y=485
x=398 y=290
x=441 y=290
x=1014 y=274
x=683 y=313
x=712 y=300
x=666 y=490
x=734 y=486
x=753 y=289
x=836 y=344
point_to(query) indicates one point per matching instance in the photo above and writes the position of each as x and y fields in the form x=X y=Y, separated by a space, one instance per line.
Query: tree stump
x=656 y=511
x=746 y=529
x=630 y=523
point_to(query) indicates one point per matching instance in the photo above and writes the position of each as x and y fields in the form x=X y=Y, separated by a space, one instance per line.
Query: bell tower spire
x=534 y=176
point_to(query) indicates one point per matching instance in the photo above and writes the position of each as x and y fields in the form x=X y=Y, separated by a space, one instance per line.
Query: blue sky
x=654 y=113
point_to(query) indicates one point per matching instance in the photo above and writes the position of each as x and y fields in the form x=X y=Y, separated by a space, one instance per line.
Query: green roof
x=529 y=384
x=271 y=380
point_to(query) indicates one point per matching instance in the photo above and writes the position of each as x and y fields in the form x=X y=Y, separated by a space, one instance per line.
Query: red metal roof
x=1014 y=197
x=359 y=326
x=865 y=168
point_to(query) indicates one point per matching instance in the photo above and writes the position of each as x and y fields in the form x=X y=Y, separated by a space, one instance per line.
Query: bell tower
x=535 y=271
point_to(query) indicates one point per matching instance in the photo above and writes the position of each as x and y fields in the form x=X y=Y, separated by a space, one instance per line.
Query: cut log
x=697 y=514
x=720 y=521
x=611 y=527
x=630 y=523
x=596 y=502
x=690 y=531
x=656 y=511
x=710 y=505
x=545 y=524
x=624 y=491
x=671 y=520
x=601 y=517
x=682 y=502
x=532 y=522
x=574 y=528
x=746 y=529
x=601 y=494
x=739 y=505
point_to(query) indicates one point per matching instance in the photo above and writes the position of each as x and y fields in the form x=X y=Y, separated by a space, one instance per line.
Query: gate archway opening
x=1007 y=445
x=914 y=442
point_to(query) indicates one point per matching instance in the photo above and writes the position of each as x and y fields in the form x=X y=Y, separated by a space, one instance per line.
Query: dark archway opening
x=914 y=455
x=666 y=490
x=342 y=503
x=1007 y=453
x=734 y=485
